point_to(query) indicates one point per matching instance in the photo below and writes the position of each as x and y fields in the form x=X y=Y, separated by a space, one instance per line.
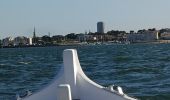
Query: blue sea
x=142 y=70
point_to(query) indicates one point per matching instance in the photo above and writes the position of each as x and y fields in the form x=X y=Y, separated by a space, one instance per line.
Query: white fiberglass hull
x=72 y=83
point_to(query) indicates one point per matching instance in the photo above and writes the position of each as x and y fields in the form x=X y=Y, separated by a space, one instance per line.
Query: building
x=82 y=37
x=0 y=42
x=30 y=41
x=145 y=36
x=100 y=27
x=7 y=41
x=165 y=36
x=21 y=40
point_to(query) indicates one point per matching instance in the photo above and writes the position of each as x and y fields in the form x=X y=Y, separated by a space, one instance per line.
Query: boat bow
x=72 y=83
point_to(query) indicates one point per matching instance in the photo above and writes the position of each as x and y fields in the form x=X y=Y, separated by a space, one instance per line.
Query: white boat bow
x=72 y=84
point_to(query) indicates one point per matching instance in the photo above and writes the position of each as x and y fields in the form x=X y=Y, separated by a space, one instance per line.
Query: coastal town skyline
x=151 y=35
x=63 y=17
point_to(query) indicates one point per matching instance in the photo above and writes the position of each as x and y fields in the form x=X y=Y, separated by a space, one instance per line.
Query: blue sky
x=18 y=17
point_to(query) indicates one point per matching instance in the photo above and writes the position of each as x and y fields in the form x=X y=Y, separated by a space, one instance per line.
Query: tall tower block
x=100 y=27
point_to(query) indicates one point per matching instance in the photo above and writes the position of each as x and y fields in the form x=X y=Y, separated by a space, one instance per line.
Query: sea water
x=142 y=70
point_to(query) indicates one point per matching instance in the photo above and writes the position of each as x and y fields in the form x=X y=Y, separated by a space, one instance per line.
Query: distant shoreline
x=27 y=46
x=77 y=44
x=152 y=42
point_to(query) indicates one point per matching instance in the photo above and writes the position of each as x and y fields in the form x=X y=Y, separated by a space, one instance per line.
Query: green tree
x=58 y=38
x=71 y=36
x=46 y=39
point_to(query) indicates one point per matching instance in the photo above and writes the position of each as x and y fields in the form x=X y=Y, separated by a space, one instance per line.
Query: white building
x=7 y=41
x=30 y=41
x=146 y=36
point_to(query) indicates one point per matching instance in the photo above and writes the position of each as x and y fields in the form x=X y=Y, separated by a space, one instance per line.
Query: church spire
x=34 y=35
x=34 y=39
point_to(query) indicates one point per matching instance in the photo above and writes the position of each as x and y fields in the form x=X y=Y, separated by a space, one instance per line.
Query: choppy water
x=143 y=70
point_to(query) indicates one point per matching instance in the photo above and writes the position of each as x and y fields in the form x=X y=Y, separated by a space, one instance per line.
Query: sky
x=60 y=17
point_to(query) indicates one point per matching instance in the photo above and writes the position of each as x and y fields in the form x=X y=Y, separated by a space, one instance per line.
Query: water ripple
x=143 y=70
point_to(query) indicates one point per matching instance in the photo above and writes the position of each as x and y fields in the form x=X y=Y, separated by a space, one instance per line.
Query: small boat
x=72 y=84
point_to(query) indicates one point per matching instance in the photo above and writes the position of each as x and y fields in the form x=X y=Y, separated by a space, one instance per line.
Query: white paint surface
x=79 y=86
